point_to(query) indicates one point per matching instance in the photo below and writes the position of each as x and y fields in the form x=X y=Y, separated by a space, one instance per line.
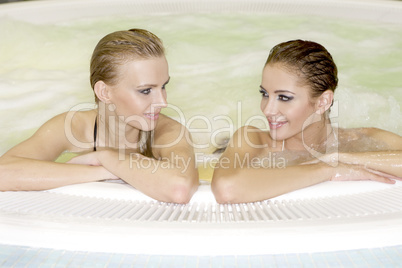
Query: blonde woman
x=301 y=148
x=126 y=137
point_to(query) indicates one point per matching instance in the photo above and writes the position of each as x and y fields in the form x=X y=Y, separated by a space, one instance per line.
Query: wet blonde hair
x=116 y=49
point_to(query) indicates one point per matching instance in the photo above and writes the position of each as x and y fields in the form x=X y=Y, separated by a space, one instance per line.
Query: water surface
x=215 y=66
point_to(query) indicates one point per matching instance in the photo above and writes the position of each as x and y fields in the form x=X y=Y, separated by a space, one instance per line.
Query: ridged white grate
x=63 y=205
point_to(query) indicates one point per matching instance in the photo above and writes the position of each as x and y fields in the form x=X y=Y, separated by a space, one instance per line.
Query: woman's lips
x=276 y=125
x=152 y=116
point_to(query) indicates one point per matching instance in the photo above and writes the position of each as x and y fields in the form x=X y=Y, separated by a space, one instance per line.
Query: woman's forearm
x=389 y=162
x=23 y=174
x=173 y=180
x=254 y=184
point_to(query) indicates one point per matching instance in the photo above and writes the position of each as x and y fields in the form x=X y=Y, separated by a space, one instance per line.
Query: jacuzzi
x=112 y=224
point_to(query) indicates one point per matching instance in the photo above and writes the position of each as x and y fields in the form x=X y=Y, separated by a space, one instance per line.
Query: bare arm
x=236 y=179
x=232 y=183
x=387 y=160
x=166 y=179
x=173 y=177
x=30 y=165
x=24 y=174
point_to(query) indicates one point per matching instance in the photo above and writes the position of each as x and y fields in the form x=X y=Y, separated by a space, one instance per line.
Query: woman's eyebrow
x=153 y=85
x=146 y=85
x=279 y=91
x=284 y=91
x=167 y=81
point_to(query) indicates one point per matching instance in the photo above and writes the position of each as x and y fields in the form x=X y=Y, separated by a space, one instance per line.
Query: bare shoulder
x=79 y=129
x=165 y=122
x=79 y=119
x=170 y=133
x=71 y=118
x=247 y=140
x=393 y=140
x=71 y=130
x=370 y=139
x=51 y=139
x=248 y=136
x=377 y=132
x=167 y=126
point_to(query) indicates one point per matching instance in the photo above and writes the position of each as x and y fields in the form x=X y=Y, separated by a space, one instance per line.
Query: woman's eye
x=284 y=98
x=145 y=91
x=264 y=93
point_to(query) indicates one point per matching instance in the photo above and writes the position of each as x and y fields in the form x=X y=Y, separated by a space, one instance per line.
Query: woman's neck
x=316 y=136
x=114 y=131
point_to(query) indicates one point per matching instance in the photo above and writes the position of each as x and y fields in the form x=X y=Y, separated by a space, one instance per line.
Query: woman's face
x=285 y=103
x=140 y=93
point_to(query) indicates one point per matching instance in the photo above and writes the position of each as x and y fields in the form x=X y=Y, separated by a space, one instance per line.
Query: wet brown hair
x=311 y=61
x=116 y=49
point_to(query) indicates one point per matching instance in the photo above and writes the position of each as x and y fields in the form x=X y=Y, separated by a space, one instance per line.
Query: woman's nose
x=270 y=108
x=161 y=100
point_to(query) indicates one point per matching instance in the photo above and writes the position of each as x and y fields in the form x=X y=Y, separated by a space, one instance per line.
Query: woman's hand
x=90 y=159
x=345 y=172
x=347 y=169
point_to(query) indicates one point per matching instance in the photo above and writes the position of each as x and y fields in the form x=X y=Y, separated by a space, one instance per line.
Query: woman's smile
x=152 y=116
x=276 y=125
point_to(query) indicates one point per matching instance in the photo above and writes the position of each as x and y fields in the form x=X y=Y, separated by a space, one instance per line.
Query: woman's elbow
x=224 y=190
x=183 y=190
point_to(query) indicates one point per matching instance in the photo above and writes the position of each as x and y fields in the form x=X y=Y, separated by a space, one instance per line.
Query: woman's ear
x=102 y=91
x=324 y=102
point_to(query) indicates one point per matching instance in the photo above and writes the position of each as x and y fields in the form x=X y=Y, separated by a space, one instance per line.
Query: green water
x=215 y=66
